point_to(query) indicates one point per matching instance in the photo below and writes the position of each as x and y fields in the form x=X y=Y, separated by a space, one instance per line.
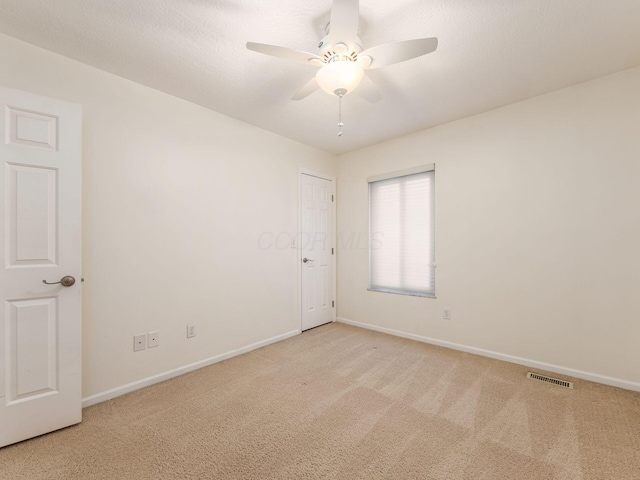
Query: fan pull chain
x=340 y=124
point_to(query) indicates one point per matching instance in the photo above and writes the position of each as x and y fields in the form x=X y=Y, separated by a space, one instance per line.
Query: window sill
x=410 y=294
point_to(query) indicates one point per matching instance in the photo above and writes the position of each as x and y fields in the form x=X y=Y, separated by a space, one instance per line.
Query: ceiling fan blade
x=397 y=52
x=368 y=90
x=344 y=22
x=283 y=52
x=310 y=87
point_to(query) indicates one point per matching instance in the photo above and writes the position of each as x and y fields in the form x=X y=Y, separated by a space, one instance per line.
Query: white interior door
x=40 y=239
x=317 y=251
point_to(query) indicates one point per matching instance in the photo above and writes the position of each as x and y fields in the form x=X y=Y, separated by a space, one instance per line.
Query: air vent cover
x=554 y=381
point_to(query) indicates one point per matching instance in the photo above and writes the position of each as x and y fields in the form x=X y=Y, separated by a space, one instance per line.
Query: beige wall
x=537 y=230
x=175 y=199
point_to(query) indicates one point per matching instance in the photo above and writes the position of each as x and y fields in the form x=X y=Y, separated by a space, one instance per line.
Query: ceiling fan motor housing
x=333 y=53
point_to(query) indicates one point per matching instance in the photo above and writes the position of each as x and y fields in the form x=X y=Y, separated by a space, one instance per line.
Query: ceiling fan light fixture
x=340 y=78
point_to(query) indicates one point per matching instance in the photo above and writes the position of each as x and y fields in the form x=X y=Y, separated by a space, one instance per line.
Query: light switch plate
x=139 y=342
x=153 y=339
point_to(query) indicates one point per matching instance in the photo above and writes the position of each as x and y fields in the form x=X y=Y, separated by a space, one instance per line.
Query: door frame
x=297 y=246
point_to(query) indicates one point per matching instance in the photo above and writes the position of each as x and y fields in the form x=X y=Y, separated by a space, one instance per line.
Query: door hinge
x=332 y=198
x=331 y=251
x=333 y=304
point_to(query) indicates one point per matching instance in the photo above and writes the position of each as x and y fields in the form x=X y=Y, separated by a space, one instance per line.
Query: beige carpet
x=340 y=402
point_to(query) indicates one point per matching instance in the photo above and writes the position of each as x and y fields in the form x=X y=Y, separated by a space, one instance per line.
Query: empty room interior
x=320 y=240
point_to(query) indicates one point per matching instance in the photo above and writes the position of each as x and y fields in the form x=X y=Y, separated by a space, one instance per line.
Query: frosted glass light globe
x=341 y=76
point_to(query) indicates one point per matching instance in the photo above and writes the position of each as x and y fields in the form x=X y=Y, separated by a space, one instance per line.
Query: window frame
x=389 y=176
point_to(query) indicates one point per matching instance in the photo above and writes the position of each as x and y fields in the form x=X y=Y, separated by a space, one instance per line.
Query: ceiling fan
x=341 y=58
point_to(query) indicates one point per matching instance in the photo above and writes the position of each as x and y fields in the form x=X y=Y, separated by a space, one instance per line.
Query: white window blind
x=401 y=234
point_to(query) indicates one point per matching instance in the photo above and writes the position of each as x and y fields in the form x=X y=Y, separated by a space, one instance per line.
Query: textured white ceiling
x=491 y=53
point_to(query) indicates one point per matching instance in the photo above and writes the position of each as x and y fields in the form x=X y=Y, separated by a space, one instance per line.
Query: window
x=401 y=232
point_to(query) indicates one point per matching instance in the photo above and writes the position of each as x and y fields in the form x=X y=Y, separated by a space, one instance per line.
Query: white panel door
x=316 y=247
x=40 y=240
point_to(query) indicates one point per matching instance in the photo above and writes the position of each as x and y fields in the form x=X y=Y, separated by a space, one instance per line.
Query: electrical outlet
x=139 y=342
x=446 y=314
x=153 y=339
x=191 y=331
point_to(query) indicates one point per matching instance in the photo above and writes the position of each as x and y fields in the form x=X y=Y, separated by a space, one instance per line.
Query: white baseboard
x=161 y=377
x=592 y=377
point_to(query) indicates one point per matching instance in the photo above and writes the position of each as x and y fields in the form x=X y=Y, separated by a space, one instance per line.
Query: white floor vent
x=555 y=381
